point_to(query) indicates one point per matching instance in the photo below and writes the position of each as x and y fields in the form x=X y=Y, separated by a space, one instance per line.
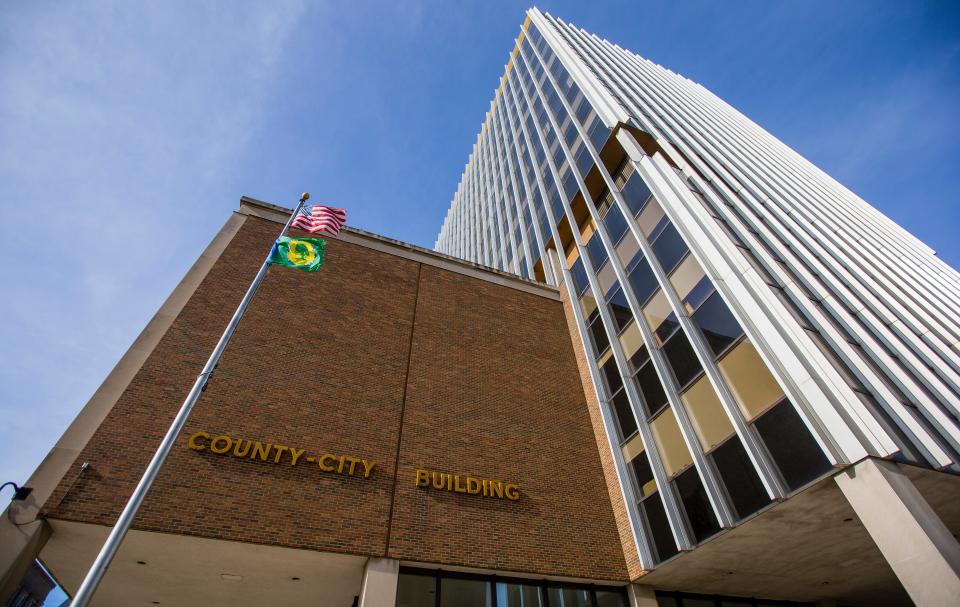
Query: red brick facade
x=375 y=356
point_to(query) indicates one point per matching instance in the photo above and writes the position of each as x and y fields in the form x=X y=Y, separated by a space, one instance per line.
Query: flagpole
x=109 y=550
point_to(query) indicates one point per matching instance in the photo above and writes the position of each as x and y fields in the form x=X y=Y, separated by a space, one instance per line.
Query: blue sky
x=129 y=131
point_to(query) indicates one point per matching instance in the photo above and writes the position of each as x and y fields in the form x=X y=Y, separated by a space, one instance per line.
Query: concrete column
x=380 y=583
x=19 y=546
x=918 y=546
x=641 y=596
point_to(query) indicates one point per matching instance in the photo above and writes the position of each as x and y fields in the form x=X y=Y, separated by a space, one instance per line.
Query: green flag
x=303 y=253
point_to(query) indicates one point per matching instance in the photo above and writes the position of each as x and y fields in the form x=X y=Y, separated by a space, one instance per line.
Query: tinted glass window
x=718 y=325
x=702 y=521
x=570 y=597
x=659 y=528
x=620 y=309
x=607 y=598
x=792 y=446
x=669 y=248
x=636 y=193
x=621 y=406
x=456 y=592
x=682 y=359
x=597 y=252
x=741 y=479
x=579 y=275
x=643 y=282
x=650 y=387
x=616 y=224
x=518 y=595
x=599 y=334
x=416 y=590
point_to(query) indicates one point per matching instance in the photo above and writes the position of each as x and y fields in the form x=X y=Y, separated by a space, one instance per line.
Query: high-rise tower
x=750 y=326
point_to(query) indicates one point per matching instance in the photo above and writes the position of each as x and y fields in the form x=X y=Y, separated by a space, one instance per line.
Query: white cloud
x=118 y=121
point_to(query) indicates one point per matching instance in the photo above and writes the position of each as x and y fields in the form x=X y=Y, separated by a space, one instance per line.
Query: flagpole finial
x=304 y=197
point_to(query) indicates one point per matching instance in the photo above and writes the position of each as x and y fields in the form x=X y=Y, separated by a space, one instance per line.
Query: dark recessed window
x=740 y=477
x=612 y=376
x=456 y=592
x=683 y=361
x=639 y=358
x=643 y=282
x=625 y=418
x=636 y=193
x=694 y=498
x=643 y=475
x=667 y=328
x=718 y=325
x=650 y=387
x=792 y=446
x=659 y=528
x=599 y=335
x=414 y=590
x=669 y=248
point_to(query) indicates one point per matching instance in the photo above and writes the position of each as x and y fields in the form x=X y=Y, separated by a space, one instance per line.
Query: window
x=570 y=597
x=669 y=248
x=683 y=361
x=415 y=590
x=636 y=193
x=643 y=475
x=654 y=397
x=643 y=281
x=612 y=376
x=670 y=444
x=627 y=249
x=650 y=217
x=616 y=224
x=457 y=592
x=620 y=309
x=740 y=478
x=791 y=445
x=687 y=276
x=579 y=276
x=659 y=528
x=690 y=489
x=625 y=419
x=752 y=385
x=706 y=413
x=518 y=595
x=717 y=324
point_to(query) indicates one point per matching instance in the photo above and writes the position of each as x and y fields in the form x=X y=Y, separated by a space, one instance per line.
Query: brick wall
x=320 y=362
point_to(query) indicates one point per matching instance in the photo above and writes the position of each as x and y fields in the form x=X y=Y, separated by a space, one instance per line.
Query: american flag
x=319 y=218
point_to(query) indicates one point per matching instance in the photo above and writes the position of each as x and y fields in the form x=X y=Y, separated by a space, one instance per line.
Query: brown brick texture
x=634 y=568
x=376 y=356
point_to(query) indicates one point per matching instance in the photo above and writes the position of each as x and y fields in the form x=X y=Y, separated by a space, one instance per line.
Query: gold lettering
x=280 y=449
x=353 y=463
x=473 y=485
x=236 y=448
x=340 y=467
x=456 y=485
x=193 y=444
x=423 y=478
x=496 y=489
x=323 y=458
x=220 y=439
x=449 y=482
x=485 y=494
x=512 y=491
x=295 y=454
x=261 y=451
x=438 y=475
x=367 y=467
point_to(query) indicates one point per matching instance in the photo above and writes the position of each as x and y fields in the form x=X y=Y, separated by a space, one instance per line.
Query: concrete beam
x=379 y=587
x=641 y=596
x=918 y=546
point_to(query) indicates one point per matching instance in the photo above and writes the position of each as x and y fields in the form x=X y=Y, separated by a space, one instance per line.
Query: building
x=750 y=326
x=657 y=358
